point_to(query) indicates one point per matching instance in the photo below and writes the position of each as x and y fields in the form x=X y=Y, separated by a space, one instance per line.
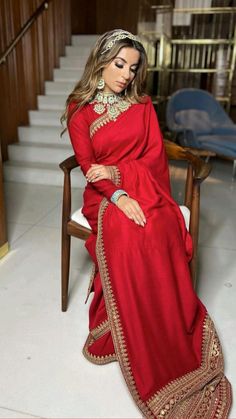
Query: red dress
x=145 y=313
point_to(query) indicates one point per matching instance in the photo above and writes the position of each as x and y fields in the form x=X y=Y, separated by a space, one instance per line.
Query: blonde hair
x=101 y=55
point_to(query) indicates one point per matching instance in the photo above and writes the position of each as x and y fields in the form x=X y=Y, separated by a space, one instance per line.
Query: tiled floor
x=42 y=371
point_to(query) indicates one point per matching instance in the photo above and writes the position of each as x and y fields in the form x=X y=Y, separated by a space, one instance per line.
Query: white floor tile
x=16 y=230
x=27 y=204
x=222 y=170
x=53 y=218
x=13 y=414
x=217 y=290
x=41 y=347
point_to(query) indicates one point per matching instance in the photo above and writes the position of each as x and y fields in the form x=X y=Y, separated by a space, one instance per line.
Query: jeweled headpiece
x=117 y=36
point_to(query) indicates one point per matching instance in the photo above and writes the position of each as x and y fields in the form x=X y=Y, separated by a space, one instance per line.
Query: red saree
x=145 y=313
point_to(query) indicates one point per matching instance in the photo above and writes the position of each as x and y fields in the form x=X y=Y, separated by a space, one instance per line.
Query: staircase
x=35 y=158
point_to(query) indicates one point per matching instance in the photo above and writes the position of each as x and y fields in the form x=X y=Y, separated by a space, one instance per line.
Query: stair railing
x=27 y=25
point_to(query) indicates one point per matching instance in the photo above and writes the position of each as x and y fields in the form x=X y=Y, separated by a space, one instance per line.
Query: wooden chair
x=76 y=224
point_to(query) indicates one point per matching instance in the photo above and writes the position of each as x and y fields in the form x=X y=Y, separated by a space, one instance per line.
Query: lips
x=121 y=84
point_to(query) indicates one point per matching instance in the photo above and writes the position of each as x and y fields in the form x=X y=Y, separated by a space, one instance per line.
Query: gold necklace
x=110 y=102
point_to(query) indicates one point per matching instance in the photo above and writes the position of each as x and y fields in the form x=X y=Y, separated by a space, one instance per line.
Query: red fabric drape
x=144 y=312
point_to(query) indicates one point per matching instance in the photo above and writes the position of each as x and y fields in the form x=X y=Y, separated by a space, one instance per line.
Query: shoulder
x=75 y=107
x=142 y=100
x=146 y=102
x=146 y=99
x=77 y=112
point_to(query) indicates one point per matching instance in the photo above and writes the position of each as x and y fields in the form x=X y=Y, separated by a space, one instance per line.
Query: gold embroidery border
x=173 y=401
x=117 y=177
x=103 y=120
x=98 y=123
x=92 y=276
x=95 y=359
x=114 y=318
x=100 y=330
x=152 y=406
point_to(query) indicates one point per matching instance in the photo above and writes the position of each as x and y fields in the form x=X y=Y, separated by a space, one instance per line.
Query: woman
x=144 y=312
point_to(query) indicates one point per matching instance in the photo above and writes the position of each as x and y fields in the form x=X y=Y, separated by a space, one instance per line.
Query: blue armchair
x=200 y=122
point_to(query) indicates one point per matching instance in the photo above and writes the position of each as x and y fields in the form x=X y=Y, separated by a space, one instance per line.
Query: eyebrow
x=120 y=58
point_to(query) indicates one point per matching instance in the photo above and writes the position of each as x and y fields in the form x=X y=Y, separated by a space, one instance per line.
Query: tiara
x=117 y=37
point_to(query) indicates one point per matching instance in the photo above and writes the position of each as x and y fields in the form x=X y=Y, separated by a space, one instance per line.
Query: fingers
x=137 y=216
x=96 y=172
x=94 y=177
x=132 y=210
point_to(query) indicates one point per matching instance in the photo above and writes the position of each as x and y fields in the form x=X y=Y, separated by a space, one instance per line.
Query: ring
x=98 y=174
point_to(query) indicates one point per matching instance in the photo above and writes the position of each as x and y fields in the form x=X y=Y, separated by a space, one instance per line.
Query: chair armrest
x=201 y=169
x=68 y=164
x=201 y=152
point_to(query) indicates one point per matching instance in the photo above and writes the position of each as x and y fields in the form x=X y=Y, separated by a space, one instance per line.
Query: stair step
x=42 y=117
x=36 y=157
x=41 y=174
x=58 y=87
x=67 y=74
x=39 y=152
x=52 y=102
x=73 y=63
x=84 y=39
x=43 y=134
x=78 y=51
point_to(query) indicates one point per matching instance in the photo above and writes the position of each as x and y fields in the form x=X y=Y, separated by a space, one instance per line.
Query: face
x=121 y=71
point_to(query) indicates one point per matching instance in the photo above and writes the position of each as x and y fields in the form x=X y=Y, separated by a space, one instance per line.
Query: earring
x=101 y=84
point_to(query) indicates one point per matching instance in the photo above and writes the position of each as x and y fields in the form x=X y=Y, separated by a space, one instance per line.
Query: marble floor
x=42 y=371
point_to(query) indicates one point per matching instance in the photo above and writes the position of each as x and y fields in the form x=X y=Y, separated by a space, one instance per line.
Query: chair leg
x=65 y=269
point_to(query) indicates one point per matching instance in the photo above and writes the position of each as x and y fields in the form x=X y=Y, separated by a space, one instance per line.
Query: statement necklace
x=110 y=102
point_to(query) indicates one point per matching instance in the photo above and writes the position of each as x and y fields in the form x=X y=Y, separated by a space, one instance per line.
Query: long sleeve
x=78 y=128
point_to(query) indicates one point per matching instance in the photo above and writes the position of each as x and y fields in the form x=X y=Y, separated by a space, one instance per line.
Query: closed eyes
x=134 y=70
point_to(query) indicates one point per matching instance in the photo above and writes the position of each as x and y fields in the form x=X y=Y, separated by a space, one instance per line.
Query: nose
x=125 y=73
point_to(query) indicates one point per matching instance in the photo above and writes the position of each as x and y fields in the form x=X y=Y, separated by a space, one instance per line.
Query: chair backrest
x=194 y=109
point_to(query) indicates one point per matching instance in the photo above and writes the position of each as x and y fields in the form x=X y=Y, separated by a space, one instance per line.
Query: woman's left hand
x=98 y=172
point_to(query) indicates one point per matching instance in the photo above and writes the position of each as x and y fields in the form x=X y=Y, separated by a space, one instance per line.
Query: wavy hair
x=99 y=58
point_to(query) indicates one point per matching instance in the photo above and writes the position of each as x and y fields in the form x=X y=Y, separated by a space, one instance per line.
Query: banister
x=30 y=21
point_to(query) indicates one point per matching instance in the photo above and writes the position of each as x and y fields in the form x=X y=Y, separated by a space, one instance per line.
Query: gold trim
x=98 y=123
x=197 y=397
x=92 y=276
x=117 y=177
x=4 y=249
x=95 y=334
x=100 y=330
x=114 y=318
x=105 y=119
x=175 y=399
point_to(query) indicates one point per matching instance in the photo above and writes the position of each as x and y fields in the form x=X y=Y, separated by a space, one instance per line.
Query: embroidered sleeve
x=116 y=175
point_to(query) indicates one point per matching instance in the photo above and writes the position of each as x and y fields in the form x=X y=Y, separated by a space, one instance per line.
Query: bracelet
x=116 y=195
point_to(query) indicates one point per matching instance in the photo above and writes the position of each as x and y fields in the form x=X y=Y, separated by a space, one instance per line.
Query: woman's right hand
x=131 y=209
